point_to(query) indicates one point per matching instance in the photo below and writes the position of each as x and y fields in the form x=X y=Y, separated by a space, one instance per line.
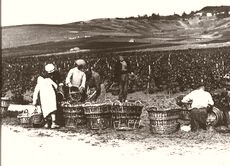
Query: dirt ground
x=30 y=146
x=81 y=146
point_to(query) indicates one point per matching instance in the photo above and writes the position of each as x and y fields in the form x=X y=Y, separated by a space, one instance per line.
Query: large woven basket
x=98 y=115
x=126 y=115
x=73 y=114
x=163 y=122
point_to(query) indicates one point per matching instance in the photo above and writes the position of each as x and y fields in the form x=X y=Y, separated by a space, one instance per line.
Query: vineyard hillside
x=165 y=54
x=120 y=34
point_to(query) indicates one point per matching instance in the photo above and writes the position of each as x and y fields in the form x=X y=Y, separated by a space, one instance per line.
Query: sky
x=18 y=12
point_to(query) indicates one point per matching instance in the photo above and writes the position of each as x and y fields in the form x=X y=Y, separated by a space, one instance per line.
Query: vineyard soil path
x=21 y=146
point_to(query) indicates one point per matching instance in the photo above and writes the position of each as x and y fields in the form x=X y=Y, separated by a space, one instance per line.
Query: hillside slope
x=86 y=35
x=33 y=34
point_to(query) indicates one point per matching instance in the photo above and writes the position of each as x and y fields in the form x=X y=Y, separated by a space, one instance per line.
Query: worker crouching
x=201 y=102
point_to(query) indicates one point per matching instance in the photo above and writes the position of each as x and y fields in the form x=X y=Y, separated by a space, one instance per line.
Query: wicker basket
x=37 y=118
x=126 y=115
x=24 y=118
x=5 y=102
x=163 y=122
x=98 y=115
x=164 y=129
x=73 y=114
x=163 y=115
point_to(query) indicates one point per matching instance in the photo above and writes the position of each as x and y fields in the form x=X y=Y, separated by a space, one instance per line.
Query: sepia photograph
x=115 y=82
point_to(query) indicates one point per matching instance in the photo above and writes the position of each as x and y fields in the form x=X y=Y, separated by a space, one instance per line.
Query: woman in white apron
x=45 y=90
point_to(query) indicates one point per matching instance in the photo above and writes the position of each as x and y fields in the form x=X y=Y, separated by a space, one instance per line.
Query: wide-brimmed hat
x=49 y=68
x=80 y=62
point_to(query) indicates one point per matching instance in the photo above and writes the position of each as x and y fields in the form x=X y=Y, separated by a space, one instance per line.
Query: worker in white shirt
x=76 y=78
x=201 y=101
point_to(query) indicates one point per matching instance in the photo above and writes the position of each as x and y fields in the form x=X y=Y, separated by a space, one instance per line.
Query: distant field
x=32 y=34
x=65 y=46
x=112 y=35
x=24 y=35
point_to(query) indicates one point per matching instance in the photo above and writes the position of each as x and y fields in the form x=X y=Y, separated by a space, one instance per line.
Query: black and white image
x=115 y=82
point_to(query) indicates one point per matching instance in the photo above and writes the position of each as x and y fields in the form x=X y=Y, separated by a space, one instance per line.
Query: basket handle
x=150 y=108
x=88 y=103
x=138 y=102
x=25 y=111
x=35 y=110
x=108 y=101
x=117 y=101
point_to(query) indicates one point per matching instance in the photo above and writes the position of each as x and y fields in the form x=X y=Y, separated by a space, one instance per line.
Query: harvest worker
x=122 y=70
x=76 y=78
x=45 y=92
x=93 y=84
x=201 y=102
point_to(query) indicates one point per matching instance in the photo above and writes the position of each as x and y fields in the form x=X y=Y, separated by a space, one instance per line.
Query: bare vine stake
x=95 y=64
x=137 y=62
x=148 y=85
x=170 y=68
x=105 y=97
x=223 y=65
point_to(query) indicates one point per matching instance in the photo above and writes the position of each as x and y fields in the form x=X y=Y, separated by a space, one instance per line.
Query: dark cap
x=200 y=84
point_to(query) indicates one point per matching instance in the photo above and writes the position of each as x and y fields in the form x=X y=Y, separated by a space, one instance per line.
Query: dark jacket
x=118 y=70
x=93 y=80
